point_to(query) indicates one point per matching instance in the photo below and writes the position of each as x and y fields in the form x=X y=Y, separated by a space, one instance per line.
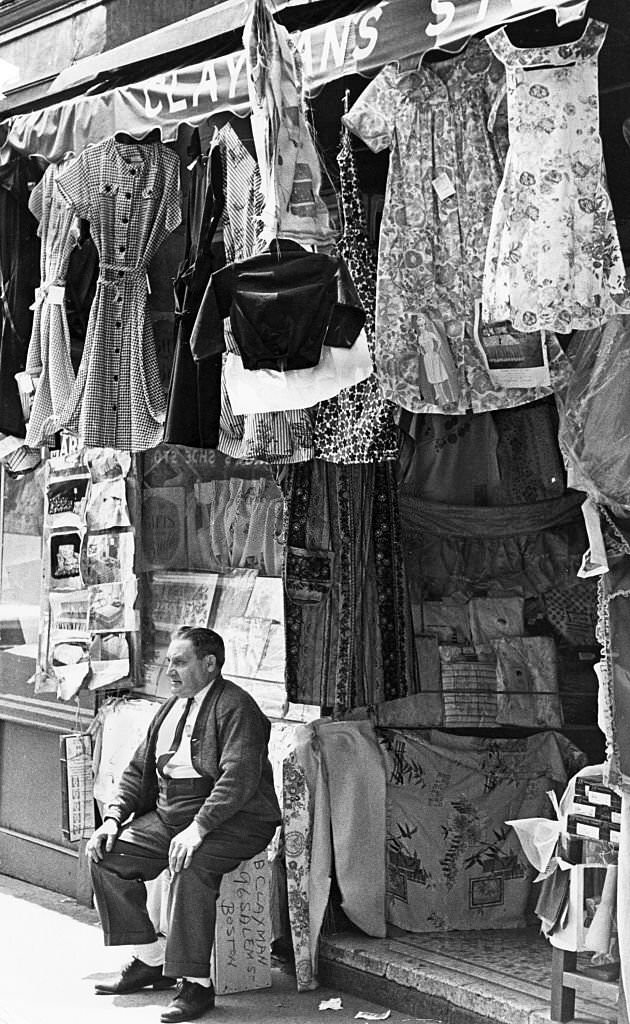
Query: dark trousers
x=141 y=853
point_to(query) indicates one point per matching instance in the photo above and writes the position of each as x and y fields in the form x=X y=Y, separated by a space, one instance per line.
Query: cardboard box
x=241 y=958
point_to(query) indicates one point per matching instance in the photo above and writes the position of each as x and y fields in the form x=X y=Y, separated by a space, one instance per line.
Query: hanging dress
x=19 y=276
x=274 y=437
x=49 y=348
x=445 y=168
x=553 y=260
x=130 y=195
x=194 y=395
x=356 y=425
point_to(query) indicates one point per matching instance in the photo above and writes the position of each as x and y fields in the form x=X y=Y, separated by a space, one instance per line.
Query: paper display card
x=67 y=495
x=107 y=558
x=164 y=528
x=234 y=590
x=69 y=615
x=181 y=599
x=63 y=560
x=107 y=505
x=272 y=663
x=109 y=659
x=77 y=789
x=245 y=642
x=69 y=665
x=515 y=359
x=111 y=607
x=267 y=599
x=107 y=464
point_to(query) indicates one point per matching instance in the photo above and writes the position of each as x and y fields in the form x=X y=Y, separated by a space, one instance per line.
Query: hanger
x=154 y=135
x=433 y=55
x=549 y=27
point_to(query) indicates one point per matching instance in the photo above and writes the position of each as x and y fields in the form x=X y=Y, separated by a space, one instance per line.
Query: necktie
x=163 y=759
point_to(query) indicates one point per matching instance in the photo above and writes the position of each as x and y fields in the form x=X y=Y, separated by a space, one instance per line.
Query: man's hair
x=204 y=641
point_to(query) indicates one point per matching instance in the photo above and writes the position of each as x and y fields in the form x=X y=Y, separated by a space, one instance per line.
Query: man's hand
x=104 y=836
x=182 y=847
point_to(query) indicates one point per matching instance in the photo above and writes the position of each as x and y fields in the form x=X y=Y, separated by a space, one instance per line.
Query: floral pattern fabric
x=445 y=169
x=356 y=425
x=347 y=628
x=452 y=861
x=553 y=260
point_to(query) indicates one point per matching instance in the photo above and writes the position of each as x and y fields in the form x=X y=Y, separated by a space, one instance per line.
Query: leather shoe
x=191 y=1001
x=133 y=977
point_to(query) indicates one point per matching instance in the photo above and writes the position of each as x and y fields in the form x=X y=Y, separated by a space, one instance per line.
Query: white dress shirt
x=180 y=765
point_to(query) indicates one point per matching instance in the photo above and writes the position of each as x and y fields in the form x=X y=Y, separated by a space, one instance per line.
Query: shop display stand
x=566 y=980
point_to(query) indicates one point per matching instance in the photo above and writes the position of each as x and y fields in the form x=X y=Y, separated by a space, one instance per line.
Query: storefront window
x=21 y=523
x=212 y=551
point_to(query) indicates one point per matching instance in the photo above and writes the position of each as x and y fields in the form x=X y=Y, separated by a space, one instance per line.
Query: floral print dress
x=445 y=169
x=553 y=260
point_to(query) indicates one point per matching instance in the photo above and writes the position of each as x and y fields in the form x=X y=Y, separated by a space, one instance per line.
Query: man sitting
x=200 y=790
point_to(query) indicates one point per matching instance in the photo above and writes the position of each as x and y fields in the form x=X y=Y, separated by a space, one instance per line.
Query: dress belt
x=111 y=274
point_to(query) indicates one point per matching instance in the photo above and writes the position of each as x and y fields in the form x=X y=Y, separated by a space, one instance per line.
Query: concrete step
x=480 y=978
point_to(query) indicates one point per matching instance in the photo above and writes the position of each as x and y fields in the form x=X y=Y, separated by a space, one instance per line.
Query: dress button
x=127 y=195
x=117 y=351
x=121 y=273
x=114 y=406
x=115 y=377
x=119 y=323
x=132 y=170
x=119 y=298
x=125 y=220
x=121 y=248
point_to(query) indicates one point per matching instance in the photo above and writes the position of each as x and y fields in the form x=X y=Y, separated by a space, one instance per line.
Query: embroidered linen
x=49 y=351
x=453 y=863
x=553 y=259
x=434 y=121
x=130 y=195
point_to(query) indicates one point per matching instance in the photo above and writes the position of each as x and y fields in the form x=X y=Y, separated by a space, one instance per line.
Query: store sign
x=344 y=46
x=357 y=43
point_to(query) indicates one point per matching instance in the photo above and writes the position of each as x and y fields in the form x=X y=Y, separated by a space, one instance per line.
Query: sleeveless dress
x=553 y=260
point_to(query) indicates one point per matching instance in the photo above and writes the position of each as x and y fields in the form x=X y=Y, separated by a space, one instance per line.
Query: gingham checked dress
x=49 y=348
x=130 y=195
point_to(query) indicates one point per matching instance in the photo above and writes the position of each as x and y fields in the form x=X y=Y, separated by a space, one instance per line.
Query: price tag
x=443 y=186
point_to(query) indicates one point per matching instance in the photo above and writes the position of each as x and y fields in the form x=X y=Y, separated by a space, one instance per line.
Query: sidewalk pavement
x=51 y=954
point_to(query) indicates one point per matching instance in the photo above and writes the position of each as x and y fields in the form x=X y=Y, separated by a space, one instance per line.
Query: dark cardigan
x=228 y=745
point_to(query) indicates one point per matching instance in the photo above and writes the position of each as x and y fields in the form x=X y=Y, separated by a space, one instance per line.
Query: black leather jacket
x=283 y=306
